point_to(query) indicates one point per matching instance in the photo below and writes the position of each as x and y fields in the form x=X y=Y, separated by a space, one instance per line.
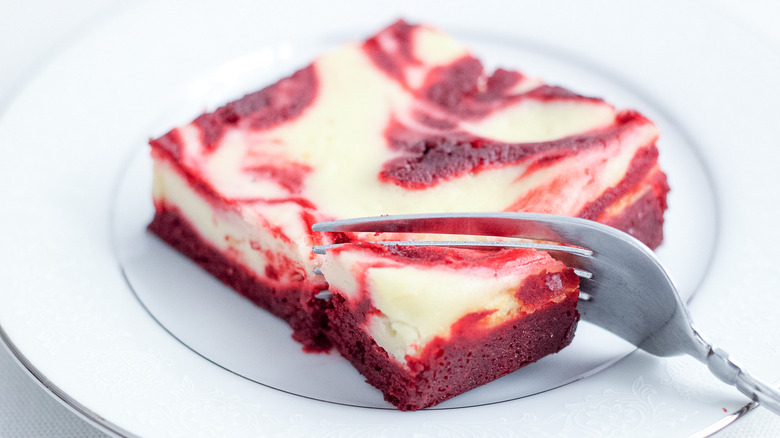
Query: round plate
x=73 y=157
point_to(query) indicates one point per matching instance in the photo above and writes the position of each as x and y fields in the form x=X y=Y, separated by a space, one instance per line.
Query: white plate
x=95 y=307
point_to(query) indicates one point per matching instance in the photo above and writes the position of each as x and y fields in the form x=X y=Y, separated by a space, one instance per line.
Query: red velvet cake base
x=449 y=368
x=304 y=313
x=644 y=218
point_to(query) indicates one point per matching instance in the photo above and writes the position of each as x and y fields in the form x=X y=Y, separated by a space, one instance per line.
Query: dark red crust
x=644 y=218
x=304 y=313
x=270 y=106
x=641 y=164
x=427 y=160
x=449 y=368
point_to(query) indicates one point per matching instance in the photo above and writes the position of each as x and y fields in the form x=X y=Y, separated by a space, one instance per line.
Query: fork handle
x=724 y=368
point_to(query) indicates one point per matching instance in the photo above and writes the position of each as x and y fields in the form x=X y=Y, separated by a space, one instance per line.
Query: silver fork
x=624 y=288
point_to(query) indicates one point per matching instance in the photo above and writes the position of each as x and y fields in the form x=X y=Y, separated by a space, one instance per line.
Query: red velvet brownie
x=406 y=122
x=426 y=324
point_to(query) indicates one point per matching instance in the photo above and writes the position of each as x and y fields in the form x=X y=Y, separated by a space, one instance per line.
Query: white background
x=32 y=30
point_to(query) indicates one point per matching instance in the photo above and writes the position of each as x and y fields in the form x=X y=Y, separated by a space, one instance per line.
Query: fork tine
x=557 y=251
x=506 y=224
x=566 y=240
x=584 y=252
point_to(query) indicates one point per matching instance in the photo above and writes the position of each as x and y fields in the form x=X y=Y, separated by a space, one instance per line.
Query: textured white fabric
x=37 y=28
x=28 y=410
x=759 y=423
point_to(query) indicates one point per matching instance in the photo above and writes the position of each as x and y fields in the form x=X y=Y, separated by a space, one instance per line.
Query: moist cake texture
x=426 y=324
x=407 y=121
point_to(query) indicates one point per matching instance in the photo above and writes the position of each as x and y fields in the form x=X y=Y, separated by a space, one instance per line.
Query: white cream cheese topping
x=417 y=303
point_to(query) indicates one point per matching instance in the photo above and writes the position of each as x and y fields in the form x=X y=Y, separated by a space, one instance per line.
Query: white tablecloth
x=31 y=30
